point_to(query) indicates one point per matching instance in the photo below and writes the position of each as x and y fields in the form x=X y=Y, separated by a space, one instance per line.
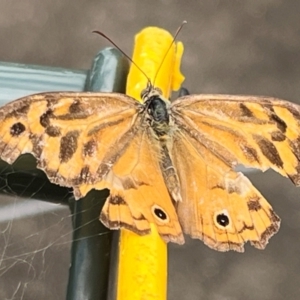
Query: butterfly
x=169 y=164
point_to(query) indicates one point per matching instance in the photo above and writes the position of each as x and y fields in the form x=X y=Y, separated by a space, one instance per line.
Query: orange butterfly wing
x=217 y=132
x=94 y=140
x=257 y=132
x=72 y=135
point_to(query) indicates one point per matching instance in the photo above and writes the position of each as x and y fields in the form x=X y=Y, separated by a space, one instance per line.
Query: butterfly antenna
x=173 y=41
x=128 y=57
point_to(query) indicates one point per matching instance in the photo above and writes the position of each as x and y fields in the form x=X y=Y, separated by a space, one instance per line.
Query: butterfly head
x=150 y=91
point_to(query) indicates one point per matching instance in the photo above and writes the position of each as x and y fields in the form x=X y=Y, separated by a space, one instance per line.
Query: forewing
x=257 y=132
x=74 y=136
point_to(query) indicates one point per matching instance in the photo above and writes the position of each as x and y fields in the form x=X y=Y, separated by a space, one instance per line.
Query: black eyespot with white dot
x=160 y=214
x=222 y=220
x=17 y=129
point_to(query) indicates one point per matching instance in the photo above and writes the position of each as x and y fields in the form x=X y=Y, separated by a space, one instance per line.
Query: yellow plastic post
x=142 y=273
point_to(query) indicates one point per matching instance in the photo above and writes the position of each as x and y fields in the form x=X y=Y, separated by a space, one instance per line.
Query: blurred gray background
x=238 y=47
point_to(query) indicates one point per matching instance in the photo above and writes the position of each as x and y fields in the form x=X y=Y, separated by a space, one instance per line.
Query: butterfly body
x=169 y=164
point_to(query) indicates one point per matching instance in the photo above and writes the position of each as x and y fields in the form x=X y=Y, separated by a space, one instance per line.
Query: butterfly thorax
x=158 y=116
x=157 y=112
